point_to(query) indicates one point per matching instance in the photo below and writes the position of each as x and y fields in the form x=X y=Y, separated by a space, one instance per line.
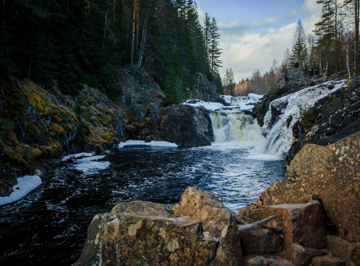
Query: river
x=48 y=226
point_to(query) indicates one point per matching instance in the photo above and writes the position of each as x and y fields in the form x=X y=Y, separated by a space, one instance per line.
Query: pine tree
x=327 y=31
x=214 y=49
x=299 y=50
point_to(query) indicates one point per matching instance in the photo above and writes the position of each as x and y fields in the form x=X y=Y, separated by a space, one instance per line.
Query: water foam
x=280 y=136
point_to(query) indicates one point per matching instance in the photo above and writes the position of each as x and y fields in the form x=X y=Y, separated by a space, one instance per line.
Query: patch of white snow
x=141 y=143
x=76 y=156
x=23 y=187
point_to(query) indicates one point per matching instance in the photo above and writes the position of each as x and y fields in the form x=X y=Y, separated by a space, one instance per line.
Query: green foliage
x=272 y=89
x=335 y=102
x=307 y=118
x=299 y=50
x=72 y=43
x=350 y=82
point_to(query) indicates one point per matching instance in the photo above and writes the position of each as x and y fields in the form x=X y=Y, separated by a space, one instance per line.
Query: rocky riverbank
x=295 y=222
x=38 y=126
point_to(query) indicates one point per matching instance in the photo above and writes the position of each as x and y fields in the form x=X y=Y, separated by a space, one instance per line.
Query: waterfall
x=279 y=130
x=234 y=127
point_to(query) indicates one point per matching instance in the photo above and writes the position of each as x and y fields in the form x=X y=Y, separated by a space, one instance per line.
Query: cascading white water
x=236 y=127
x=280 y=136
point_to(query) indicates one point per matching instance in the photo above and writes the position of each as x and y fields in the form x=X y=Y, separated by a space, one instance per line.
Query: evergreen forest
x=70 y=43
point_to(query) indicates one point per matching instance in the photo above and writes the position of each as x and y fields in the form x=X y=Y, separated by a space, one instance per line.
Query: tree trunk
x=143 y=40
x=356 y=6
x=105 y=30
x=3 y=20
x=137 y=28
x=114 y=11
x=133 y=34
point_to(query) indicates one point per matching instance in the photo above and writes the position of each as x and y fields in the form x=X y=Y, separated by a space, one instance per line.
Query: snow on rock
x=141 y=143
x=227 y=98
x=23 y=187
x=211 y=106
x=91 y=165
x=255 y=97
x=76 y=156
x=279 y=136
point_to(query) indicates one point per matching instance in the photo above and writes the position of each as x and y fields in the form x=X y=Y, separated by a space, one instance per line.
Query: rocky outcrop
x=188 y=126
x=332 y=119
x=197 y=231
x=291 y=82
x=327 y=174
x=38 y=124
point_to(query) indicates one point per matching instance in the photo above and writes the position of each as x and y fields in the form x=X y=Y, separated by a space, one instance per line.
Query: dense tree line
x=259 y=83
x=332 y=48
x=76 y=42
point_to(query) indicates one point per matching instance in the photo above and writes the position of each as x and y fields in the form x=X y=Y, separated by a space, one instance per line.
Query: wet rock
x=348 y=251
x=197 y=231
x=326 y=172
x=328 y=261
x=258 y=240
x=188 y=127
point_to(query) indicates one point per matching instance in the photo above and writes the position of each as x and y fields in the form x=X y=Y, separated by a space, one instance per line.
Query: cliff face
x=38 y=124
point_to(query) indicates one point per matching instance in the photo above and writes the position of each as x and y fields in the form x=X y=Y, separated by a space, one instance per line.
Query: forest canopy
x=69 y=43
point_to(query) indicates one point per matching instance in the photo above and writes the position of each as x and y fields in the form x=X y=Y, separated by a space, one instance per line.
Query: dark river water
x=48 y=226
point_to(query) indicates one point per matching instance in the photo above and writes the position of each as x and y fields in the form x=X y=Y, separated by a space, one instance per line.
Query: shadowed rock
x=188 y=127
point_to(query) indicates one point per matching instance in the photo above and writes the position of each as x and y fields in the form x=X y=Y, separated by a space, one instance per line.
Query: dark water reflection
x=48 y=227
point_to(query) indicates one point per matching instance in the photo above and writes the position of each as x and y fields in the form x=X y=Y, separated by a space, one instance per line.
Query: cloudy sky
x=254 y=32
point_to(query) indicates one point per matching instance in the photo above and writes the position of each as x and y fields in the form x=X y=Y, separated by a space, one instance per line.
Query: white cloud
x=265 y=21
x=311 y=7
x=232 y=24
x=292 y=13
x=253 y=51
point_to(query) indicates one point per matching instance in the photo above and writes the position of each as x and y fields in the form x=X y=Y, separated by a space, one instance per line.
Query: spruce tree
x=214 y=49
x=299 y=50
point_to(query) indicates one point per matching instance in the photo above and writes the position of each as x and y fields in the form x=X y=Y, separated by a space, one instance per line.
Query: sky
x=254 y=32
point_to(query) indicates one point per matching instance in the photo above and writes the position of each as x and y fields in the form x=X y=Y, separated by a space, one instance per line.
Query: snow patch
x=23 y=187
x=76 y=156
x=211 y=106
x=141 y=143
x=90 y=165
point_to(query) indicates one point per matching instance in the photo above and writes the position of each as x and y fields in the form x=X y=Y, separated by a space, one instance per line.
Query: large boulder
x=197 y=231
x=188 y=126
x=331 y=173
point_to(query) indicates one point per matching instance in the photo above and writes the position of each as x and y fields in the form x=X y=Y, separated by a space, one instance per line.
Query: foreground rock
x=188 y=127
x=330 y=175
x=197 y=231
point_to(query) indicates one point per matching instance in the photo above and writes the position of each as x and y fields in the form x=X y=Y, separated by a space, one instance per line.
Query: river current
x=48 y=227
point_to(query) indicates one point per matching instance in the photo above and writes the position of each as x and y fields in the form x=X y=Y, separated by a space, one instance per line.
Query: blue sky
x=254 y=32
